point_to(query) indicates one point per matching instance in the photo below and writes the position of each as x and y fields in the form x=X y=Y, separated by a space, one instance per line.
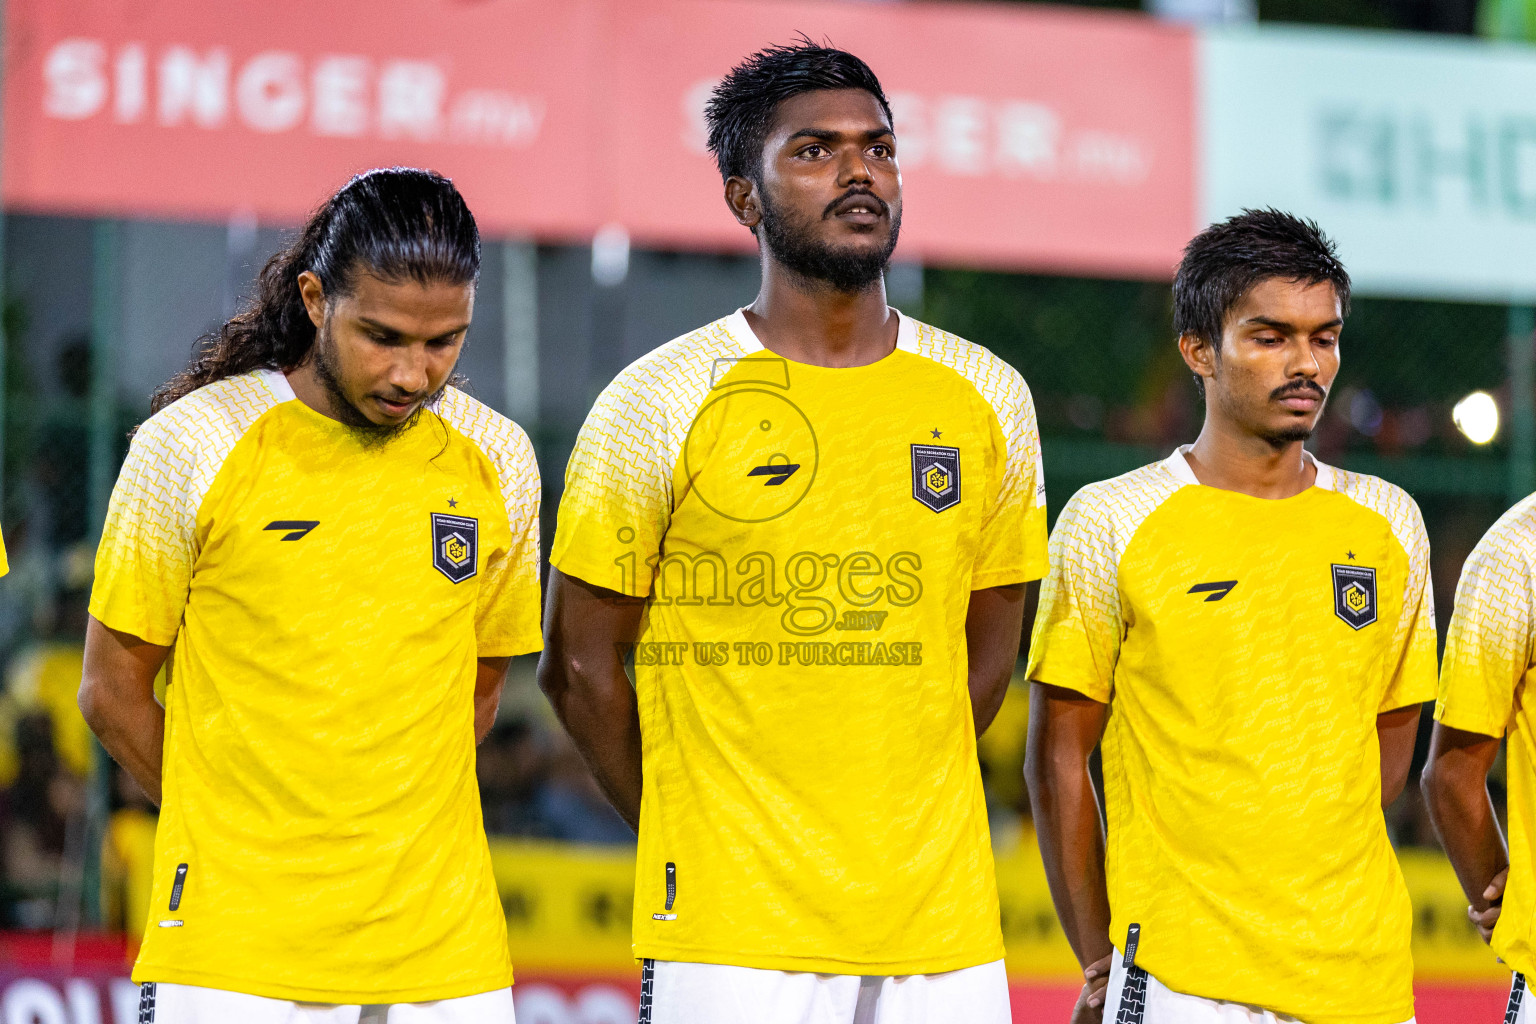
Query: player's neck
x=1235 y=460
x=810 y=323
x=309 y=389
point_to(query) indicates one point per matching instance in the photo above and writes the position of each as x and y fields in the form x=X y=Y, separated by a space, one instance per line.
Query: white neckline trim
x=277 y=383
x=746 y=339
x=1178 y=465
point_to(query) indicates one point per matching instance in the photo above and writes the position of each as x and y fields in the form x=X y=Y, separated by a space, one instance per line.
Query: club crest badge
x=455 y=546
x=936 y=476
x=1354 y=595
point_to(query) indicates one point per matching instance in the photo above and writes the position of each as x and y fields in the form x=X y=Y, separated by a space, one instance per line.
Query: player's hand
x=1494 y=894
x=1090 y=1001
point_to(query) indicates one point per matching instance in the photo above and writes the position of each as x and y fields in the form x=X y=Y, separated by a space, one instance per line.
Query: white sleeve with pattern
x=507 y=616
x=1412 y=678
x=150 y=540
x=1078 y=629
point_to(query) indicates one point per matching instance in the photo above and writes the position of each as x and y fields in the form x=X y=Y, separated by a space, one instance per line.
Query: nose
x=854 y=169
x=408 y=371
x=1303 y=361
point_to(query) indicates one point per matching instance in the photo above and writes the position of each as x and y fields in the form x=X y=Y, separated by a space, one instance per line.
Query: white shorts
x=1135 y=997
x=1519 y=1011
x=672 y=992
x=169 y=1003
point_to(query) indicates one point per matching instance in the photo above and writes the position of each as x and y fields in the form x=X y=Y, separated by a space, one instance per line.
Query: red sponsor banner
x=1029 y=137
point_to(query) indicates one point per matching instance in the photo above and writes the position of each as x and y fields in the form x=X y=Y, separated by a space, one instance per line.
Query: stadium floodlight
x=1477 y=416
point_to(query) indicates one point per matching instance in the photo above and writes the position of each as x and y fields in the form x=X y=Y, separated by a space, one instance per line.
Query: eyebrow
x=827 y=135
x=1282 y=325
x=395 y=332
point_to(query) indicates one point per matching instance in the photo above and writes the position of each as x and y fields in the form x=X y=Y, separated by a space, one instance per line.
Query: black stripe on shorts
x=147 y=1003
x=1133 y=997
x=1516 y=997
x=647 y=985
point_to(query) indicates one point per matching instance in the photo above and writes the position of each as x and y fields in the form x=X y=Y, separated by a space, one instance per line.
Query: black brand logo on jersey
x=936 y=476
x=455 y=545
x=776 y=472
x=1354 y=595
x=297 y=529
x=1217 y=590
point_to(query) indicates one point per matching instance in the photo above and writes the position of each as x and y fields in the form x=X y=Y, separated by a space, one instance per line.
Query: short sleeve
x=618 y=492
x=1076 y=639
x=1013 y=536
x=1488 y=647
x=148 y=544
x=507 y=614
x=1414 y=659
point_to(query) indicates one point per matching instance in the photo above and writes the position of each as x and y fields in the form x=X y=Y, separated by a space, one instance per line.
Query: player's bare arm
x=1396 y=731
x=1455 y=785
x=994 y=625
x=586 y=630
x=117 y=698
x=490 y=674
x=1064 y=729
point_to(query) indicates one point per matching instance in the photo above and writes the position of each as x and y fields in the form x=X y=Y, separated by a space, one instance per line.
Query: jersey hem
x=141 y=630
x=1100 y=696
x=1455 y=720
x=509 y=648
x=811 y=964
x=1004 y=577
x=339 y=997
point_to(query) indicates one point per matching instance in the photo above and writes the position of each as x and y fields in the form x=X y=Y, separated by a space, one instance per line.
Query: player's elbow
x=553 y=674
x=95 y=705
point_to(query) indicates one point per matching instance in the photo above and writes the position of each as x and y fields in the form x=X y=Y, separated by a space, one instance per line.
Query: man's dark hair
x=395 y=223
x=1223 y=262
x=740 y=110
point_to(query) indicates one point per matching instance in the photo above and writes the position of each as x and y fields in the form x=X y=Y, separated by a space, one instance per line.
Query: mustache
x=880 y=204
x=1298 y=387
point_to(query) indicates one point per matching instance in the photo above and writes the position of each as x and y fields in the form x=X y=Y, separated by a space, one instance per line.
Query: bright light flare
x=1477 y=416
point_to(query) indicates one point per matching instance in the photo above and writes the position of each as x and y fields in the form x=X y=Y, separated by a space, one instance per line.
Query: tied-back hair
x=395 y=223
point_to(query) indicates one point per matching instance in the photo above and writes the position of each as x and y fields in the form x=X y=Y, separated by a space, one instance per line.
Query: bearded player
x=1489 y=656
x=1250 y=633
x=341 y=550
x=811 y=524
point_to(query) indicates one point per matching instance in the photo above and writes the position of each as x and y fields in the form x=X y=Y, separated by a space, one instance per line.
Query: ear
x=313 y=294
x=741 y=196
x=1199 y=355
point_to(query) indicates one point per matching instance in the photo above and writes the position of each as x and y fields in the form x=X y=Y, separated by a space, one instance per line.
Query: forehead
x=409 y=305
x=1296 y=302
x=837 y=110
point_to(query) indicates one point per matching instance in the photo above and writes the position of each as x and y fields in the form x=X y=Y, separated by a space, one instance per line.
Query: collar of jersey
x=276 y=382
x=1178 y=465
x=746 y=339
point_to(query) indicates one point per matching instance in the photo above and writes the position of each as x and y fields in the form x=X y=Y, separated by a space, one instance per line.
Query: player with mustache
x=1250 y=633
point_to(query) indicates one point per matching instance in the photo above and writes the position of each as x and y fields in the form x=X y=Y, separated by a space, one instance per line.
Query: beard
x=846 y=269
x=367 y=432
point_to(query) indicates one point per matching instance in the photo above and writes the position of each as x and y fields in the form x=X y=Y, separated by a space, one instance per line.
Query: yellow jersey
x=1245 y=647
x=1488 y=660
x=320 y=836
x=807 y=539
